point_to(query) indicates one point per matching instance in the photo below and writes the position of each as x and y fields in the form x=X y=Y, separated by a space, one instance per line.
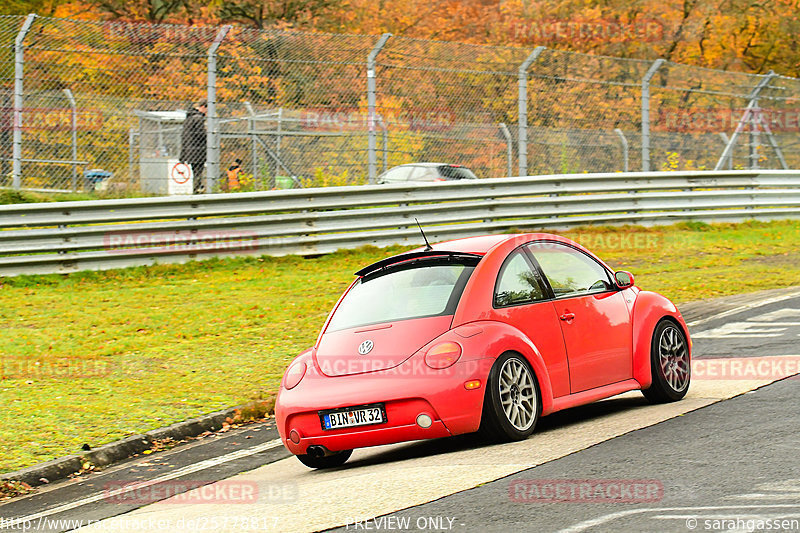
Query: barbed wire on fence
x=94 y=105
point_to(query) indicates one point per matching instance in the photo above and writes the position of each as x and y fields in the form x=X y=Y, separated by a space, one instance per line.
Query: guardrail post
x=212 y=120
x=646 y=113
x=522 y=102
x=624 y=141
x=372 y=166
x=748 y=115
x=19 y=66
x=509 y=150
x=74 y=130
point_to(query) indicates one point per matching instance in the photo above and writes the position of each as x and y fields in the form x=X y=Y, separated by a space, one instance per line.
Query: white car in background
x=426 y=172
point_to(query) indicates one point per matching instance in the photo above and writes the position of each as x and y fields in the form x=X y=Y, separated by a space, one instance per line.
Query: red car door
x=520 y=299
x=594 y=317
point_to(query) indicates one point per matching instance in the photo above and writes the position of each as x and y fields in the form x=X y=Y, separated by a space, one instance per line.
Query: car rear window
x=421 y=289
x=456 y=173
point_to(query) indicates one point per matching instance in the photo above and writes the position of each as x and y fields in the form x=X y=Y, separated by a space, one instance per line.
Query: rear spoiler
x=408 y=256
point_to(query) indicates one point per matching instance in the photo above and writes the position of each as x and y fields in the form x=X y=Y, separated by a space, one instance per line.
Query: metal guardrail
x=63 y=237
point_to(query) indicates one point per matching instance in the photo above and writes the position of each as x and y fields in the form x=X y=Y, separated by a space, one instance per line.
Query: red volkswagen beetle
x=479 y=334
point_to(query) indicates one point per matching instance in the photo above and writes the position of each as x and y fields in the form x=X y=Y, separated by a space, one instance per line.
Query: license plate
x=364 y=415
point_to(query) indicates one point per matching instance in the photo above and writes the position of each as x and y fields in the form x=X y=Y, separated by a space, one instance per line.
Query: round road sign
x=180 y=173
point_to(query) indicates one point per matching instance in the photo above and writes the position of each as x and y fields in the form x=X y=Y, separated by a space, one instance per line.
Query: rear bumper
x=438 y=393
x=361 y=438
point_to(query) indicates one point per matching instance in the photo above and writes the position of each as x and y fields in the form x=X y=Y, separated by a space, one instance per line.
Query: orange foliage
x=726 y=34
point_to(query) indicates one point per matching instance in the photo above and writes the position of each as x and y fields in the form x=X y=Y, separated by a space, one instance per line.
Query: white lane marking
x=766 y=325
x=202 y=465
x=716 y=516
x=745 y=307
x=788 y=489
x=787 y=312
x=601 y=520
x=759 y=496
x=740 y=330
x=737 y=336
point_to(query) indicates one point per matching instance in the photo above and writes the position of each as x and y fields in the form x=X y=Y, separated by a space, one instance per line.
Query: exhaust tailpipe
x=318 y=452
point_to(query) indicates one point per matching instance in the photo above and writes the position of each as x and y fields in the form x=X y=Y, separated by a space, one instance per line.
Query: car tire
x=328 y=461
x=511 y=403
x=670 y=364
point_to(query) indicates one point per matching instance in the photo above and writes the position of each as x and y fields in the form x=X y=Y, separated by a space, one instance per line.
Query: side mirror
x=624 y=279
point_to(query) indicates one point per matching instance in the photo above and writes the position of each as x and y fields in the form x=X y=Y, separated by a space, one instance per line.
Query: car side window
x=452 y=172
x=570 y=271
x=402 y=173
x=397 y=175
x=517 y=282
x=422 y=174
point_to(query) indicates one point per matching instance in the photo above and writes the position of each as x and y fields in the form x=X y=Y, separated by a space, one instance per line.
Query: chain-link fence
x=102 y=105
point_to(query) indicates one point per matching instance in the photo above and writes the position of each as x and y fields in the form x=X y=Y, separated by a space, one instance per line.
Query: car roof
x=482 y=244
x=477 y=246
x=428 y=164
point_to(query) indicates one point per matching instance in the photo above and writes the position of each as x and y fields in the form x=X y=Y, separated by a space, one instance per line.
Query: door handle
x=567 y=316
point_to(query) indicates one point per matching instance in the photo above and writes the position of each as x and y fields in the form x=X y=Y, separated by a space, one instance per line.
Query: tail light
x=294 y=375
x=443 y=355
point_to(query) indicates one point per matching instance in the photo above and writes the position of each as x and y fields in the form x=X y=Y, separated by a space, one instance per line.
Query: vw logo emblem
x=365 y=347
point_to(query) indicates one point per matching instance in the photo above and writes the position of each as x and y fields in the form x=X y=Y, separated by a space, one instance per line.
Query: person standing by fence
x=193 y=143
x=233 y=175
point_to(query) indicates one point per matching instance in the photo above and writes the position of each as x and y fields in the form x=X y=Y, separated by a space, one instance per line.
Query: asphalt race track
x=726 y=458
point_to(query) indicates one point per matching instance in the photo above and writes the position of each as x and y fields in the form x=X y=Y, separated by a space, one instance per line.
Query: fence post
x=131 y=158
x=385 y=137
x=748 y=114
x=509 y=150
x=372 y=167
x=251 y=127
x=522 y=102
x=278 y=129
x=624 y=141
x=19 y=65
x=212 y=120
x=74 y=130
x=646 y=113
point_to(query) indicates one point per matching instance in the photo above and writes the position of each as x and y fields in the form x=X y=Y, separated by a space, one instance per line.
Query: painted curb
x=114 y=452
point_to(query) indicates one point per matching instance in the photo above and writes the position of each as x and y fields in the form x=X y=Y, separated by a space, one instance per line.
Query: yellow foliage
x=327 y=177
x=674 y=162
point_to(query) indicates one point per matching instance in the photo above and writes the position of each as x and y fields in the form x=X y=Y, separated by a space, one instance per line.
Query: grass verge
x=94 y=357
x=10 y=196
